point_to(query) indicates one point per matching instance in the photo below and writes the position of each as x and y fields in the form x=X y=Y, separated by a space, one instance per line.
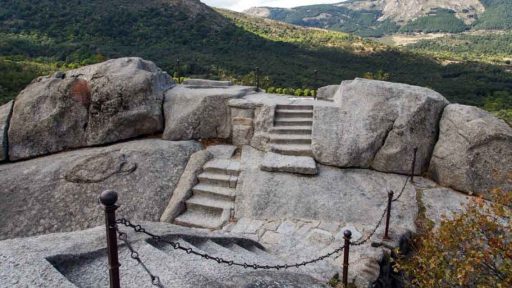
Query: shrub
x=473 y=249
x=298 y=92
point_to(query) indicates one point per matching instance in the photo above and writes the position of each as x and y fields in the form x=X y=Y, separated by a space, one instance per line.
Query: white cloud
x=240 y=5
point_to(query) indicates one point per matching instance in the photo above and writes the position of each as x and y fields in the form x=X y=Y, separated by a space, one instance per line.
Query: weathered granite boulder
x=5 y=113
x=474 y=151
x=78 y=259
x=439 y=203
x=327 y=92
x=377 y=124
x=60 y=192
x=200 y=113
x=98 y=104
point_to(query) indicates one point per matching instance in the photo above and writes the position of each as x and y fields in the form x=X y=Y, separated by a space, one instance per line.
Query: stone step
x=294 y=150
x=293 y=122
x=296 y=130
x=218 y=250
x=223 y=166
x=216 y=191
x=199 y=201
x=290 y=139
x=174 y=238
x=294 y=107
x=218 y=179
x=294 y=113
x=203 y=218
x=273 y=162
x=239 y=249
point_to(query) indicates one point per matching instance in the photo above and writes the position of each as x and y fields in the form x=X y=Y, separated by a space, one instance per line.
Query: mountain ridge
x=383 y=17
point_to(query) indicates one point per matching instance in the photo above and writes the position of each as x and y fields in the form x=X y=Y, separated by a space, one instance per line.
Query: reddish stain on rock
x=80 y=92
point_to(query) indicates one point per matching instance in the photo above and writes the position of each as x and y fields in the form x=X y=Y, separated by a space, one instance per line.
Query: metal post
x=257 y=78
x=316 y=82
x=108 y=199
x=178 y=69
x=388 y=216
x=346 y=235
x=413 y=164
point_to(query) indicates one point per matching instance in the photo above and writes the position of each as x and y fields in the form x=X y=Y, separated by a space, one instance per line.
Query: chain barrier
x=178 y=246
x=155 y=280
x=219 y=260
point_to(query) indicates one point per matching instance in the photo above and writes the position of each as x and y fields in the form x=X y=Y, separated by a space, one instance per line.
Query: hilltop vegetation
x=44 y=36
x=442 y=20
x=497 y=15
x=489 y=47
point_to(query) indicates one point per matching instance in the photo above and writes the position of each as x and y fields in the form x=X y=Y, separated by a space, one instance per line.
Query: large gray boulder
x=194 y=112
x=474 y=151
x=5 y=113
x=60 y=192
x=98 y=104
x=377 y=124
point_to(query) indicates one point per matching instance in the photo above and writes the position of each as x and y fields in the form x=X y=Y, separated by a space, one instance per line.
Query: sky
x=241 y=5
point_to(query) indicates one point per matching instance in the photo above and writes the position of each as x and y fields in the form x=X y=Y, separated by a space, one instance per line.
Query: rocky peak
x=403 y=11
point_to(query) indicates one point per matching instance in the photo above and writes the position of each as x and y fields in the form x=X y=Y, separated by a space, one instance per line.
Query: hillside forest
x=188 y=39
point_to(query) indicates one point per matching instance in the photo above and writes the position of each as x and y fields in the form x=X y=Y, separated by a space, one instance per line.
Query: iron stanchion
x=108 y=199
x=388 y=216
x=346 y=235
x=257 y=78
x=178 y=70
x=315 y=86
x=413 y=164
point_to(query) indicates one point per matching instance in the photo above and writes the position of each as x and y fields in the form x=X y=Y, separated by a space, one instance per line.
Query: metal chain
x=155 y=280
x=403 y=188
x=367 y=238
x=177 y=246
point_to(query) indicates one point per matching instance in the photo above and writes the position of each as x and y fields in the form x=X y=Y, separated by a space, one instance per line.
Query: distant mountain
x=380 y=17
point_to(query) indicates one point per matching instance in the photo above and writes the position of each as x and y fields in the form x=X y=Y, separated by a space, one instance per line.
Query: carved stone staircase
x=212 y=200
x=291 y=134
x=291 y=138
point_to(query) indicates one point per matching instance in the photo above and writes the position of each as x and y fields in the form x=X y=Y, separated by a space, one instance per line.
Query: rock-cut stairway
x=174 y=268
x=212 y=200
x=291 y=134
x=290 y=141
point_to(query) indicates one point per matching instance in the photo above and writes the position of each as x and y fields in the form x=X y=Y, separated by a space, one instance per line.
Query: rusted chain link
x=155 y=280
x=367 y=238
x=188 y=250
x=403 y=188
